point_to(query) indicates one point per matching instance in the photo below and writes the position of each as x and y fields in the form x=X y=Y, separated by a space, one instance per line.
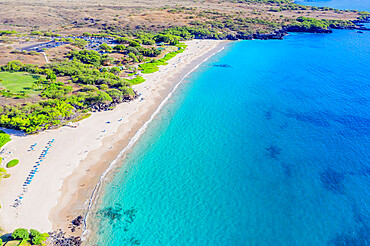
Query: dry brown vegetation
x=7 y=56
x=74 y=16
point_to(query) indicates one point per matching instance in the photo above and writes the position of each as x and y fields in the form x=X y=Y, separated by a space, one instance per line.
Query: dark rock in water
x=359 y=215
x=310 y=30
x=130 y=215
x=285 y=125
x=364 y=29
x=353 y=122
x=287 y=169
x=273 y=151
x=221 y=65
x=358 y=124
x=366 y=172
x=333 y=181
x=78 y=221
x=315 y=118
x=112 y=213
x=359 y=32
x=359 y=237
x=268 y=115
x=277 y=34
x=118 y=217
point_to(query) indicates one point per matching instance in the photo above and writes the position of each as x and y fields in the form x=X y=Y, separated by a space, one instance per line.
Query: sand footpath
x=76 y=157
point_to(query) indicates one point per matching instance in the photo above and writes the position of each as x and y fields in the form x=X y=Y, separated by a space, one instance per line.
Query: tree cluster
x=34 y=236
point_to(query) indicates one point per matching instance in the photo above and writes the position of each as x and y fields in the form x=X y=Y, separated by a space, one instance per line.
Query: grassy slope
x=4 y=138
x=137 y=80
x=18 y=82
x=153 y=66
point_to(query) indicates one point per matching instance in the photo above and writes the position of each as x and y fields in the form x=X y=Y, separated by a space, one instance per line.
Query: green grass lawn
x=137 y=80
x=18 y=82
x=4 y=138
x=153 y=66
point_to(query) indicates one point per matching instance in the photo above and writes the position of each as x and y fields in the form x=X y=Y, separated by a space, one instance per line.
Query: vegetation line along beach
x=193 y=66
x=79 y=85
x=96 y=143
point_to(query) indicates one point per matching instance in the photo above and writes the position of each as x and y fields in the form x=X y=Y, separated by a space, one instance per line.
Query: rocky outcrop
x=310 y=30
x=278 y=34
x=76 y=223
x=58 y=238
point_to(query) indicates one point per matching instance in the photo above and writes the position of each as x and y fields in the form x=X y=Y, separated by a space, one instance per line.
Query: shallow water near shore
x=265 y=144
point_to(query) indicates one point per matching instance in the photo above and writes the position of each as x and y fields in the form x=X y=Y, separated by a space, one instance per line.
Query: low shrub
x=4 y=138
x=12 y=163
x=21 y=234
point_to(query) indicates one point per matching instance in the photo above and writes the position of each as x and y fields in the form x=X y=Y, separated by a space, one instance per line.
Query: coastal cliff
x=302 y=27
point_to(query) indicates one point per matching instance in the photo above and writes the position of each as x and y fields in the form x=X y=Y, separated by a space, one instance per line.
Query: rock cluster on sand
x=76 y=223
x=58 y=238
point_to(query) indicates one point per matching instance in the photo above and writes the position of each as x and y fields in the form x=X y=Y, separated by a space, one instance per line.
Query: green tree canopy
x=34 y=233
x=87 y=56
x=20 y=233
x=80 y=43
x=105 y=47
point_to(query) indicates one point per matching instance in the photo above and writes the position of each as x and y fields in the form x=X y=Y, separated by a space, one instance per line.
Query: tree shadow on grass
x=34 y=76
x=13 y=132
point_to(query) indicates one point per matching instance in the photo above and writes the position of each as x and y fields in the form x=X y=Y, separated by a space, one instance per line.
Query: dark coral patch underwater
x=333 y=181
x=273 y=151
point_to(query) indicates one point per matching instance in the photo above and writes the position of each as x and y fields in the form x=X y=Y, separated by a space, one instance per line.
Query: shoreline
x=79 y=157
x=128 y=142
x=133 y=141
x=138 y=134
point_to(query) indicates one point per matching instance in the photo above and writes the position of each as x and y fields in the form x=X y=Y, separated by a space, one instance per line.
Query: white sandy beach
x=75 y=152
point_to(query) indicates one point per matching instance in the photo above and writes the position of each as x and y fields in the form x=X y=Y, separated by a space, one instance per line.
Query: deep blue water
x=270 y=148
x=362 y=5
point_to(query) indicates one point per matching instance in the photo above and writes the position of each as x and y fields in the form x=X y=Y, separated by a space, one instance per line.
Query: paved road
x=93 y=44
x=46 y=58
x=39 y=47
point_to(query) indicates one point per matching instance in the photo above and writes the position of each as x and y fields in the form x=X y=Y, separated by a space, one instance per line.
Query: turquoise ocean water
x=267 y=143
